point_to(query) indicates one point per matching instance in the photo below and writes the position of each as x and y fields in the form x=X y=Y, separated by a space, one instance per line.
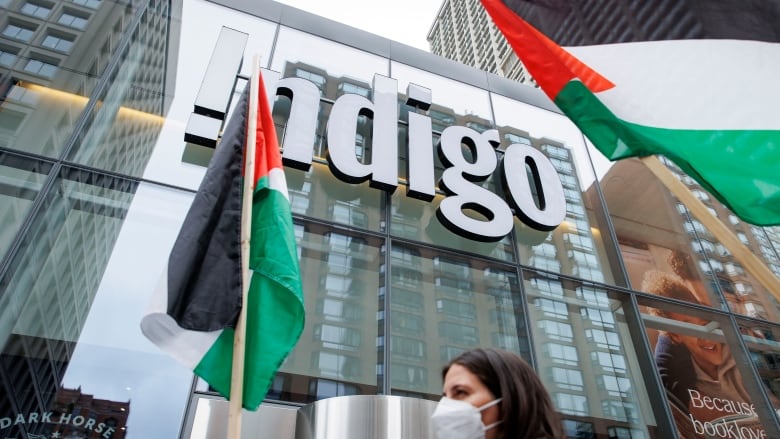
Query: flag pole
x=239 y=338
x=752 y=264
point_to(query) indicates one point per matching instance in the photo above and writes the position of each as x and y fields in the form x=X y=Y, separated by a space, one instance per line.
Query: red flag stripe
x=267 y=154
x=550 y=64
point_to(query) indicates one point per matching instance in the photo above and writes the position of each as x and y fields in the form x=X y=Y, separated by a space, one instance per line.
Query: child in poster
x=700 y=375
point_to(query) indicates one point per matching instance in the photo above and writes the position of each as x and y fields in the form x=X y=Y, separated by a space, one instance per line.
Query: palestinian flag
x=199 y=299
x=696 y=82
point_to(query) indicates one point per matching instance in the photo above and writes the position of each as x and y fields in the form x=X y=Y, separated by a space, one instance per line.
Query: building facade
x=96 y=178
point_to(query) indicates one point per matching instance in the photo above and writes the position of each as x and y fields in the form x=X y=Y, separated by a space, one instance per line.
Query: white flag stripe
x=660 y=83
x=277 y=181
x=188 y=347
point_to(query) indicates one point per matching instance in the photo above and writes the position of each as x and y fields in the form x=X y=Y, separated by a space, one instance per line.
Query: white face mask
x=455 y=419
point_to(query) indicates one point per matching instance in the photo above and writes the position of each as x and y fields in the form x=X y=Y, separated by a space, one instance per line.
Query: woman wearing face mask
x=494 y=394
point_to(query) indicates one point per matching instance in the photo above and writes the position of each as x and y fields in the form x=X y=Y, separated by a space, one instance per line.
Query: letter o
x=548 y=185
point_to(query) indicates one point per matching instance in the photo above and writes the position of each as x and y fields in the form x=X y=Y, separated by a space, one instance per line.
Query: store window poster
x=703 y=385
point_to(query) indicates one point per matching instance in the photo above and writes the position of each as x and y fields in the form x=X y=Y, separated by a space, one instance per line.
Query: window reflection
x=442 y=305
x=294 y=46
x=123 y=131
x=20 y=179
x=337 y=352
x=36 y=9
x=39 y=67
x=455 y=103
x=574 y=247
x=22 y=127
x=583 y=353
x=19 y=31
x=416 y=220
x=317 y=193
x=696 y=360
x=59 y=353
x=671 y=240
x=59 y=42
x=571 y=248
x=73 y=19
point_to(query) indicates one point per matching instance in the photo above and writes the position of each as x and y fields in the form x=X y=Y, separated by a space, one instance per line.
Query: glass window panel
x=453 y=102
x=73 y=19
x=416 y=220
x=322 y=61
x=556 y=330
x=363 y=136
x=567 y=378
x=699 y=360
x=20 y=181
x=36 y=9
x=584 y=353
x=60 y=43
x=763 y=343
x=63 y=340
x=441 y=305
x=657 y=234
x=54 y=92
x=122 y=131
x=38 y=119
x=575 y=247
x=337 y=337
x=623 y=432
x=7 y=57
x=40 y=68
x=319 y=194
x=93 y=4
x=569 y=404
x=578 y=429
x=341 y=278
x=166 y=163
x=19 y=31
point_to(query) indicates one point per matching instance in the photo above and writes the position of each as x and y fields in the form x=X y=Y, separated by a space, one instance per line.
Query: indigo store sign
x=462 y=175
x=532 y=187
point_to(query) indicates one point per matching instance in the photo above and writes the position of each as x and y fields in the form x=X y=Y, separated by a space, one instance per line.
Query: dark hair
x=667 y=285
x=526 y=407
x=681 y=264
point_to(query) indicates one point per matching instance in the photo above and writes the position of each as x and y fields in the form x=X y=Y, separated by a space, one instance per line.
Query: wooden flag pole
x=239 y=338
x=752 y=264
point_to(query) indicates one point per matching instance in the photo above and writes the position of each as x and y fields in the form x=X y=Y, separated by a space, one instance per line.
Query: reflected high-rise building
x=52 y=56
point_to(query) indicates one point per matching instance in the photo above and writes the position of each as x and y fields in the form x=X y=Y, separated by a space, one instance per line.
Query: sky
x=405 y=21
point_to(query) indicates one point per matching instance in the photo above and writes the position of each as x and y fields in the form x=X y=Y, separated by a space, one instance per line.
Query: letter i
x=419 y=160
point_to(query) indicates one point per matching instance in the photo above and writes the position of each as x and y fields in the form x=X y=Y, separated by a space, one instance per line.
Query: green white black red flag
x=701 y=92
x=195 y=310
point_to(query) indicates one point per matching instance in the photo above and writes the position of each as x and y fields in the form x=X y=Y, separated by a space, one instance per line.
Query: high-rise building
x=96 y=178
x=462 y=31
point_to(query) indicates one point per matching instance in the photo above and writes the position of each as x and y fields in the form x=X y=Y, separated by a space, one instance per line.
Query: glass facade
x=95 y=180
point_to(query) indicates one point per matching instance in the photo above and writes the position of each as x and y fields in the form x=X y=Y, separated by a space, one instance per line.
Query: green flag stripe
x=275 y=311
x=216 y=366
x=733 y=165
